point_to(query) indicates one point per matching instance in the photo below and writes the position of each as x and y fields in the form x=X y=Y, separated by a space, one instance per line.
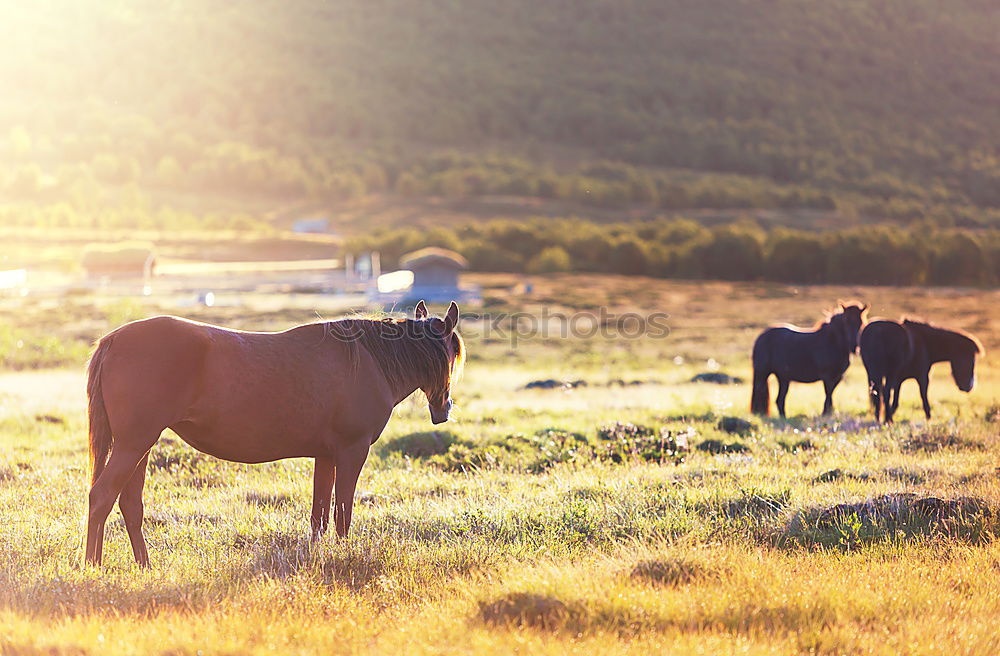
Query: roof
x=115 y=256
x=432 y=255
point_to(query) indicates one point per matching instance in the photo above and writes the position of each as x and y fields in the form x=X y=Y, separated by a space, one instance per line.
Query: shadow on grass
x=70 y=595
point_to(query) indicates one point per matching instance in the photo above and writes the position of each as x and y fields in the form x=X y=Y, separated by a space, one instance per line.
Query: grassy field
x=539 y=520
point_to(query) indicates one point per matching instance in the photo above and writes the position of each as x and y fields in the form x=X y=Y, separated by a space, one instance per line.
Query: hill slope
x=888 y=99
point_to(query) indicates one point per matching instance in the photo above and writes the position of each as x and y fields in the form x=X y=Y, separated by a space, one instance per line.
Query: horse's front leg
x=892 y=400
x=323 y=478
x=829 y=385
x=350 y=460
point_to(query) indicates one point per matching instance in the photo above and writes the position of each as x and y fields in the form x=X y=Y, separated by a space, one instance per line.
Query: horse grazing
x=805 y=356
x=893 y=352
x=321 y=390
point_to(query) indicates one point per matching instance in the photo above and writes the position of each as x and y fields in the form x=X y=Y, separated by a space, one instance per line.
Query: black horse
x=805 y=357
x=893 y=352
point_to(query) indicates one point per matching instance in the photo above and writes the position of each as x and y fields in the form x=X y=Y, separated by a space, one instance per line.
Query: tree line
x=921 y=254
x=877 y=108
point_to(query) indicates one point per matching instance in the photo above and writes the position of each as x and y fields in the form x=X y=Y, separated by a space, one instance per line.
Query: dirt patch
x=552 y=383
x=716 y=378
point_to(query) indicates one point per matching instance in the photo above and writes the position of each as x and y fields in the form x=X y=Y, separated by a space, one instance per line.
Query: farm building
x=312 y=225
x=120 y=261
x=434 y=269
x=435 y=278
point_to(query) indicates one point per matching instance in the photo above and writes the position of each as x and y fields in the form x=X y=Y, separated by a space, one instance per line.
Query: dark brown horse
x=322 y=390
x=893 y=352
x=805 y=356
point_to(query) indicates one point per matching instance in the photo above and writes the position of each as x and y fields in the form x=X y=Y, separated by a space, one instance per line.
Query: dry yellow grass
x=725 y=553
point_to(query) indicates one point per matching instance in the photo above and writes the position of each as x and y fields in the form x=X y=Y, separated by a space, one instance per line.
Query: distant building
x=434 y=269
x=435 y=279
x=119 y=261
x=14 y=282
x=316 y=225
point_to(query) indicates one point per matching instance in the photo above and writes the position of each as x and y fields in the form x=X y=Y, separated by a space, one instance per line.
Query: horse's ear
x=843 y=306
x=451 y=318
x=420 y=312
x=864 y=308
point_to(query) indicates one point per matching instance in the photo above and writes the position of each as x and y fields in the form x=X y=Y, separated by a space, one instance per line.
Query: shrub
x=553 y=259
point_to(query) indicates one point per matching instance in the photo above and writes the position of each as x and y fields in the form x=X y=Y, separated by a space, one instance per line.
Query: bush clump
x=736 y=426
x=526 y=609
x=670 y=571
x=422 y=444
x=940 y=437
x=892 y=516
x=621 y=441
x=716 y=447
x=539 y=451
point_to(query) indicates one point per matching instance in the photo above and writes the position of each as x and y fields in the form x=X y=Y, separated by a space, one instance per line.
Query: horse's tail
x=100 y=426
x=760 y=398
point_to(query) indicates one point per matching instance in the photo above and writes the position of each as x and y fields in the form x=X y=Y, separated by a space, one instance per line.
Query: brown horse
x=791 y=353
x=321 y=390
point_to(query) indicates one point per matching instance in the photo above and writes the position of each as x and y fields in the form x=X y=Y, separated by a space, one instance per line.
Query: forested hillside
x=884 y=109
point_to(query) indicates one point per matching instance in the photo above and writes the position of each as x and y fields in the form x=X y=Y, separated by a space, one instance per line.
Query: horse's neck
x=401 y=390
x=940 y=344
x=402 y=387
x=834 y=334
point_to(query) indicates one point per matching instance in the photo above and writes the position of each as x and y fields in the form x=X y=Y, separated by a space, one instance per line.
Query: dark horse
x=322 y=390
x=893 y=352
x=805 y=357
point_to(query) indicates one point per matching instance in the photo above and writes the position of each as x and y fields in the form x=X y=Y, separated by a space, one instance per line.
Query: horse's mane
x=828 y=315
x=406 y=350
x=925 y=325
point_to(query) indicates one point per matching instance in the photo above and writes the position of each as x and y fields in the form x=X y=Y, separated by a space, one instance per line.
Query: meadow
x=638 y=512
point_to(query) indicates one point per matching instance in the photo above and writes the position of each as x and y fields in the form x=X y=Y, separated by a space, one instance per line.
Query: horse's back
x=151 y=369
x=246 y=396
x=799 y=355
x=780 y=339
x=885 y=347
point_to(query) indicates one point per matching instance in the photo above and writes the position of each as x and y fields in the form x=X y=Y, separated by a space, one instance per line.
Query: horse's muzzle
x=440 y=415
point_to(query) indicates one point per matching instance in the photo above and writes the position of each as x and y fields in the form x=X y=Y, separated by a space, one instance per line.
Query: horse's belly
x=797 y=375
x=241 y=446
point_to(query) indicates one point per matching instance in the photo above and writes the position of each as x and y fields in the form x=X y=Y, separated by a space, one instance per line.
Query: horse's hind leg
x=922 y=382
x=349 y=464
x=876 y=390
x=130 y=503
x=323 y=479
x=782 y=393
x=121 y=466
